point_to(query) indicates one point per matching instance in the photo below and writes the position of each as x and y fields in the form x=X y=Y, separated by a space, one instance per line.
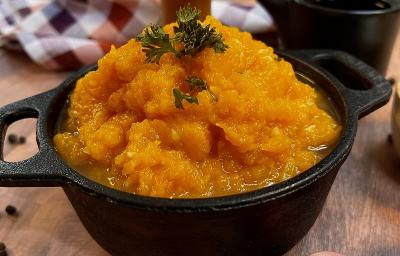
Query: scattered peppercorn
x=390 y=138
x=3 y=251
x=22 y=140
x=10 y=209
x=12 y=139
x=392 y=81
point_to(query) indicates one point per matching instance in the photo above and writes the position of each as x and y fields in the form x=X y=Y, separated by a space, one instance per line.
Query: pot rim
x=291 y=185
x=393 y=8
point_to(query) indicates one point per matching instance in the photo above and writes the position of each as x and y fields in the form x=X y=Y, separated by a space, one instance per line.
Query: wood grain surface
x=361 y=215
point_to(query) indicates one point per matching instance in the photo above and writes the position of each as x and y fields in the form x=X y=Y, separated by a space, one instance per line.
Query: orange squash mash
x=123 y=130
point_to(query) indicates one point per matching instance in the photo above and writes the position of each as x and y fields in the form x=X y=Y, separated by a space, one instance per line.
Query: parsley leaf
x=155 y=43
x=196 y=82
x=196 y=85
x=187 y=14
x=180 y=96
x=201 y=85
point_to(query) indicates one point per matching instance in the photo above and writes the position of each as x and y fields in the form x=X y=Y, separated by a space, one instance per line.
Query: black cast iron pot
x=267 y=221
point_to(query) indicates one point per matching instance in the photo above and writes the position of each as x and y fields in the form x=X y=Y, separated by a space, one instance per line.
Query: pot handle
x=37 y=170
x=364 y=89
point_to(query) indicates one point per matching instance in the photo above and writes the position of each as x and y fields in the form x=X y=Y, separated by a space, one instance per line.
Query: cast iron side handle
x=372 y=91
x=37 y=170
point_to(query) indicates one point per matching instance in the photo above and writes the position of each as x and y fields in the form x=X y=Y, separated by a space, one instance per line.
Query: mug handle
x=37 y=171
x=363 y=88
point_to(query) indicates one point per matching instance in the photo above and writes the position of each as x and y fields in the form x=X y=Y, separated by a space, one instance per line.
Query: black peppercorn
x=3 y=253
x=10 y=210
x=12 y=139
x=22 y=140
x=392 y=81
x=2 y=246
x=390 y=138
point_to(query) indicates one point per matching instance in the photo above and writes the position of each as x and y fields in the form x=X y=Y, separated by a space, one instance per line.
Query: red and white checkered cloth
x=68 y=34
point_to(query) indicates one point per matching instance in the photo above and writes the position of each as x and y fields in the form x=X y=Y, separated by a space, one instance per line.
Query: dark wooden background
x=361 y=215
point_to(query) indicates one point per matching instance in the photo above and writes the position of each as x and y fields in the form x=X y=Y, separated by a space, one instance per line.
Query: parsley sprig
x=155 y=43
x=193 y=35
x=189 y=32
x=196 y=85
x=180 y=96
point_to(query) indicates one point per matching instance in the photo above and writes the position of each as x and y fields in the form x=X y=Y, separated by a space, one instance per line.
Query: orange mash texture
x=123 y=130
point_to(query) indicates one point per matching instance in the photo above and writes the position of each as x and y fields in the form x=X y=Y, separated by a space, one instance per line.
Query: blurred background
x=42 y=41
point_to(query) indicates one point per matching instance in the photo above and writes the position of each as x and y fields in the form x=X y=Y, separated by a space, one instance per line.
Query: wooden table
x=361 y=215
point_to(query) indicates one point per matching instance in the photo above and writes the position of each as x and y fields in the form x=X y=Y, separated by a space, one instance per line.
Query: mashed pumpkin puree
x=123 y=130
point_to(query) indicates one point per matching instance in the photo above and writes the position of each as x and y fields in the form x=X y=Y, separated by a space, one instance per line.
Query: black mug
x=364 y=28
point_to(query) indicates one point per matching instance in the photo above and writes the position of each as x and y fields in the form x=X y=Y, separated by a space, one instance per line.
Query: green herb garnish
x=180 y=96
x=155 y=43
x=193 y=35
x=196 y=85
x=189 y=32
